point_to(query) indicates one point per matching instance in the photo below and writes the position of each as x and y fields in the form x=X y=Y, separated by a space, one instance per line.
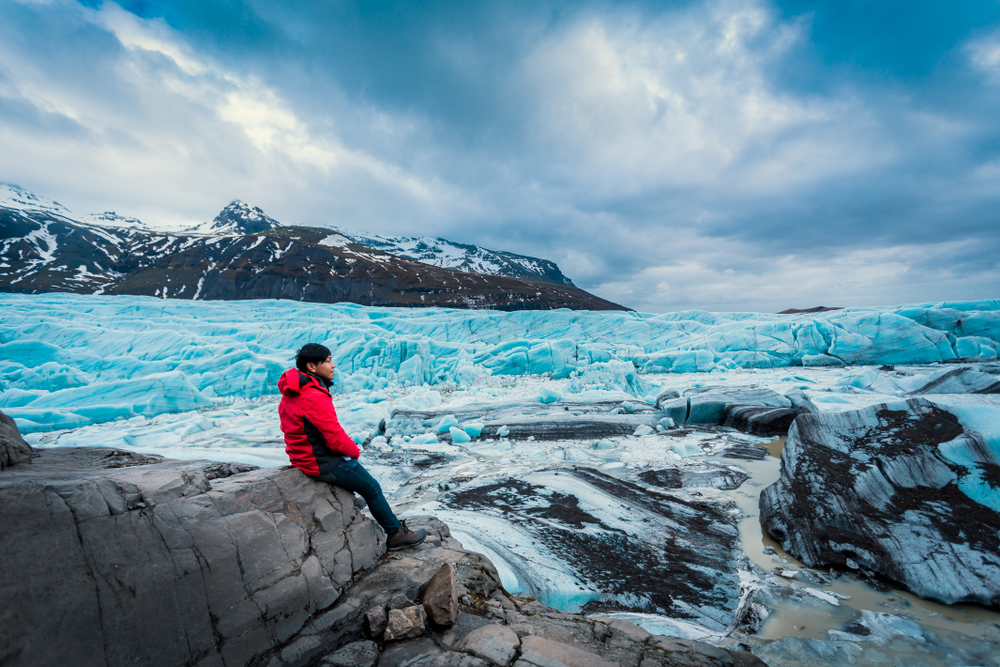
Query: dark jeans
x=349 y=474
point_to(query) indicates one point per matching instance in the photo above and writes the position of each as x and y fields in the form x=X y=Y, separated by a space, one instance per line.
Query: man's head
x=315 y=359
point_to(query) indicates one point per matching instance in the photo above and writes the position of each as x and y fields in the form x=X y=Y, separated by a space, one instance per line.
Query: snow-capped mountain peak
x=112 y=219
x=15 y=197
x=461 y=256
x=238 y=218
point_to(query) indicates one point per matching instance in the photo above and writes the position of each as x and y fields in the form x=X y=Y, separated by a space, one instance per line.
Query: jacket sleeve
x=321 y=413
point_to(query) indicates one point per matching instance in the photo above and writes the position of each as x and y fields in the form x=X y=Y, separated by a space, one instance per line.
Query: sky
x=732 y=155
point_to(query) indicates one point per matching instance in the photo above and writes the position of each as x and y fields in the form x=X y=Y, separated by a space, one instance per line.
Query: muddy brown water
x=794 y=619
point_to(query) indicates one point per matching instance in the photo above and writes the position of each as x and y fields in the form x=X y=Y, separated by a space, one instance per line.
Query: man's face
x=323 y=369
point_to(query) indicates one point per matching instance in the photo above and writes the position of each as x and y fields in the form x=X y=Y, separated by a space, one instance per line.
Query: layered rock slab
x=903 y=490
x=115 y=559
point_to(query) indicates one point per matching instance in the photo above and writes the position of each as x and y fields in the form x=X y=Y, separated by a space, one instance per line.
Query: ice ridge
x=70 y=360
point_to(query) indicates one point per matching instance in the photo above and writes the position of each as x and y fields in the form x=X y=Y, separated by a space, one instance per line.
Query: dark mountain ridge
x=44 y=250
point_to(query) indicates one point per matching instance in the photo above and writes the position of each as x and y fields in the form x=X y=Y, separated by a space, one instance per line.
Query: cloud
x=173 y=128
x=729 y=154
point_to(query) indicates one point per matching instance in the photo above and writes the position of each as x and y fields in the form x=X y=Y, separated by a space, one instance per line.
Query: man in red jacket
x=318 y=446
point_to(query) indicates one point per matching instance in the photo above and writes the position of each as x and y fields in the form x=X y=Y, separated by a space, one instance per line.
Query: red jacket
x=314 y=439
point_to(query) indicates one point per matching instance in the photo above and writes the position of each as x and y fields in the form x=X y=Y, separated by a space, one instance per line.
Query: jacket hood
x=293 y=381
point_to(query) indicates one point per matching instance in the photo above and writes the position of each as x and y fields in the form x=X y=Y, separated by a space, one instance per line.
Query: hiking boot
x=360 y=503
x=404 y=537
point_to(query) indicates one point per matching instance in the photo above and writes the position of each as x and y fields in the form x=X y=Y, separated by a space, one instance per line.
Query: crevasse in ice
x=68 y=360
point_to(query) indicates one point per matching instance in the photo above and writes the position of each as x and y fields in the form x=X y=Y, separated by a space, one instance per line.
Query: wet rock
x=375 y=621
x=175 y=567
x=13 y=448
x=696 y=474
x=440 y=596
x=495 y=643
x=355 y=654
x=893 y=489
x=759 y=420
x=539 y=652
x=406 y=623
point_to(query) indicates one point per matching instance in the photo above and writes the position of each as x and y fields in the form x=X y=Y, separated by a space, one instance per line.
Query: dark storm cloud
x=666 y=154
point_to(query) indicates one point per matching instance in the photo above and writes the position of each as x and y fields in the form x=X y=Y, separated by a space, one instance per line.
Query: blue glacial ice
x=67 y=361
x=196 y=380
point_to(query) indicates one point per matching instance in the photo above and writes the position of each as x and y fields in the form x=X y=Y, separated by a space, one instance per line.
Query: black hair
x=311 y=353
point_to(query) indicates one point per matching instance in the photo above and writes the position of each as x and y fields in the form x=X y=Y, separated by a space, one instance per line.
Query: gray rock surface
x=539 y=652
x=440 y=596
x=496 y=643
x=893 y=490
x=375 y=621
x=399 y=601
x=355 y=654
x=153 y=562
x=159 y=564
x=13 y=448
x=406 y=623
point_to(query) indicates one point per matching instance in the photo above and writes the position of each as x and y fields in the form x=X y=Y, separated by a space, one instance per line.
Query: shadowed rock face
x=114 y=559
x=13 y=448
x=887 y=489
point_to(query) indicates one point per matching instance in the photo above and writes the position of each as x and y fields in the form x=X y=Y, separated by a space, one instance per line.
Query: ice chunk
x=446 y=423
x=549 y=395
x=473 y=429
x=604 y=444
x=458 y=436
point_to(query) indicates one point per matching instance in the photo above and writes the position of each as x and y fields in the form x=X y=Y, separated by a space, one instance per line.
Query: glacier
x=456 y=410
x=68 y=361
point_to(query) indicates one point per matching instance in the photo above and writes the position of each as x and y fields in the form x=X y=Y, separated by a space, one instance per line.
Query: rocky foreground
x=114 y=558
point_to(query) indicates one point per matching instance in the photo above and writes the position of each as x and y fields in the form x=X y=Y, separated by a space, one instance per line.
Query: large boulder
x=115 y=559
x=13 y=448
x=905 y=490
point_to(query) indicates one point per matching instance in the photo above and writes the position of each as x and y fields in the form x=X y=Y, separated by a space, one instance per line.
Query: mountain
x=16 y=198
x=462 y=257
x=112 y=219
x=44 y=249
x=237 y=219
